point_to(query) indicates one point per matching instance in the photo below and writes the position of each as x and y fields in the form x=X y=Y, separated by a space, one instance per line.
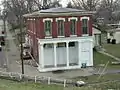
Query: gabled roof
x=114 y=30
x=59 y=12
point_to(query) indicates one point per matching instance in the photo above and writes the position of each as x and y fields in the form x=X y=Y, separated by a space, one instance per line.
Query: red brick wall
x=66 y=27
x=79 y=32
x=40 y=27
x=54 y=28
x=90 y=27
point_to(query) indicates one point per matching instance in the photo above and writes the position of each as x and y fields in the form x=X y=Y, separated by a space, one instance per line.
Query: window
x=50 y=45
x=85 y=26
x=71 y=44
x=48 y=27
x=72 y=26
x=61 y=44
x=60 y=27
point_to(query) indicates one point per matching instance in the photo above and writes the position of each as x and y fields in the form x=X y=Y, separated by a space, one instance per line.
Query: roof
x=96 y=31
x=114 y=30
x=58 y=12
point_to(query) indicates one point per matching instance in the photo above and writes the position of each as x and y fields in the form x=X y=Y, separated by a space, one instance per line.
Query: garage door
x=85 y=52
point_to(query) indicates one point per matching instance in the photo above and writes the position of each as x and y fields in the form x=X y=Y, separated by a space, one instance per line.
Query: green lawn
x=12 y=85
x=95 y=78
x=101 y=59
x=113 y=49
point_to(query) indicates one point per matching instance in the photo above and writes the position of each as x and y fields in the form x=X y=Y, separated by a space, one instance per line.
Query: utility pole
x=21 y=42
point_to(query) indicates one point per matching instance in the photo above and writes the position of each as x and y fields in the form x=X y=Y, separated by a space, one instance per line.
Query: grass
x=101 y=59
x=113 y=49
x=95 y=78
x=12 y=85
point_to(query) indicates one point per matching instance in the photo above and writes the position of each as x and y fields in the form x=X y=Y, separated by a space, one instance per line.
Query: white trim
x=34 y=19
x=79 y=54
x=73 y=35
x=42 y=55
x=67 y=52
x=67 y=39
x=31 y=19
x=47 y=37
x=85 y=34
x=73 y=18
x=60 y=19
x=61 y=36
x=55 y=55
x=58 y=68
x=84 y=18
x=48 y=19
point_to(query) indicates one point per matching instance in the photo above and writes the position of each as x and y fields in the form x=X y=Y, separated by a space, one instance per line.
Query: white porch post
x=79 y=53
x=67 y=52
x=42 y=55
x=55 y=55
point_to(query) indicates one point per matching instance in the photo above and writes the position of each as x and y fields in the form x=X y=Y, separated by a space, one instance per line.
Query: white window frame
x=88 y=18
x=60 y=19
x=74 y=18
x=48 y=19
x=57 y=19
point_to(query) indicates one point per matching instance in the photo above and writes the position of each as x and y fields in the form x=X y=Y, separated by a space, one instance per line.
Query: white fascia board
x=48 y=19
x=73 y=18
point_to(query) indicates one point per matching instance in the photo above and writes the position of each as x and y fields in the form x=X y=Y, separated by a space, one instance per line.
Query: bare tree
x=106 y=9
x=90 y=5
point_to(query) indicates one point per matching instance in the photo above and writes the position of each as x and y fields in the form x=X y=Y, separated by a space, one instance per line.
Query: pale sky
x=64 y=2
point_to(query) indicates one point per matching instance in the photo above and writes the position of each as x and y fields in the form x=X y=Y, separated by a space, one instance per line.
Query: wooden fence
x=36 y=79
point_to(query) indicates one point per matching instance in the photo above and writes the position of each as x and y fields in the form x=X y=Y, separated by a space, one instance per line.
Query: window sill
x=48 y=37
x=73 y=35
x=85 y=35
x=61 y=36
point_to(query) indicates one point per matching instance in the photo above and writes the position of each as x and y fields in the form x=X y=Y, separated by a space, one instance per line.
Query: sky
x=64 y=2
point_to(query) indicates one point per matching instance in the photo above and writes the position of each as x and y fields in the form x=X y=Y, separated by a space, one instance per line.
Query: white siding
x=117 y=37
x=61 y=55
x=48 y=56
x=73 y=54
x=85 y=50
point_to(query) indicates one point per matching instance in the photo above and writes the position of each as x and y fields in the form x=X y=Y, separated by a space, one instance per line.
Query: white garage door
x=85 y=52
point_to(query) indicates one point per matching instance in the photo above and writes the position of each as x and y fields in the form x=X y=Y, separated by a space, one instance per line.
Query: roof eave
x=59 y=14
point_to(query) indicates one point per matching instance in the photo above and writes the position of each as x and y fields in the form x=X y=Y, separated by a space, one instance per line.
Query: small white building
x=114 y=34
x=96 y=37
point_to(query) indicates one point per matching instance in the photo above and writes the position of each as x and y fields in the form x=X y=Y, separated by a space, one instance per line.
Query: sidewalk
x=14 y=55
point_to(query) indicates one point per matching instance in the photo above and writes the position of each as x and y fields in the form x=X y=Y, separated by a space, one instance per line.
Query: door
x=85 y=53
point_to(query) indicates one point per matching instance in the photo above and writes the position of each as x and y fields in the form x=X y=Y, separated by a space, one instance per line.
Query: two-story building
x=60 y=38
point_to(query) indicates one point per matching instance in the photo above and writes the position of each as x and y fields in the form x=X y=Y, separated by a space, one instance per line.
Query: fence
x=36 y=79
x=49 y=80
